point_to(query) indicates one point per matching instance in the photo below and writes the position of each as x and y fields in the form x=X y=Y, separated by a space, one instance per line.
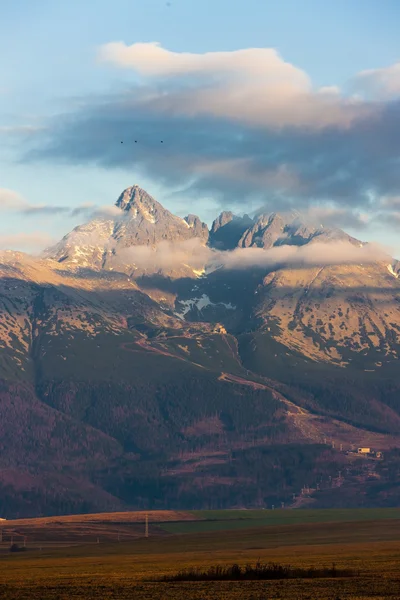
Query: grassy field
x=130 y=569
x=125 y=526
x=220 y=520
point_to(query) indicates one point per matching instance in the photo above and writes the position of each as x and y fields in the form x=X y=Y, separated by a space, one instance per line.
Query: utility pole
x=146 y=528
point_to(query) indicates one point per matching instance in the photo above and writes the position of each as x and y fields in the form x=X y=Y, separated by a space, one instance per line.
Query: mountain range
x=149 y=362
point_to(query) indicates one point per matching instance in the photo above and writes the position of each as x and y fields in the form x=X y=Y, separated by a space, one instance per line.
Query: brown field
x=154 y=516
x=78 y=529
x=130 y=569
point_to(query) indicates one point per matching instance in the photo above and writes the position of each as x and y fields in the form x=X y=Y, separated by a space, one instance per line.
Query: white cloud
x=336 y=216
x=11 y=201
x=153 y=60
x=194 y=254
x=254 y=85
x=168 y=255
x=382 y=84
x=30 y=242
x=316 y=254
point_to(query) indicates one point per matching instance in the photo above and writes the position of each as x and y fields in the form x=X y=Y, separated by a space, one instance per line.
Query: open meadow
x=107 y=556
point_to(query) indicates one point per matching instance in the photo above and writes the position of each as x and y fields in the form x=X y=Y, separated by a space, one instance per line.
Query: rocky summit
x=138 y=220
x=147 y=362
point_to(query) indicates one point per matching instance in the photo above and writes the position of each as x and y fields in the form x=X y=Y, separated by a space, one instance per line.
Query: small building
x=364 y=450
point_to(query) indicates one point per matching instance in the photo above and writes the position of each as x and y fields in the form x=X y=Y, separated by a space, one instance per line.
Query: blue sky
x=52 y=78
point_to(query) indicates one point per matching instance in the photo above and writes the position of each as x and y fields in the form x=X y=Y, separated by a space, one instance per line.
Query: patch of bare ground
x=76 y=533
x=208 y=426
x=195 y=465
x=78 y=529
x=303 y=502
x=156 y=516
x=193 y=455
x=205 y=481
x=241 y=381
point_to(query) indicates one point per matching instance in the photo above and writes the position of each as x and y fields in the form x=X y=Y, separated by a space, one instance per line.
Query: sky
x=208 y=105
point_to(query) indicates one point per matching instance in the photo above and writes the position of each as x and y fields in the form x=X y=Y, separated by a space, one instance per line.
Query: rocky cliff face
x=228 y=229
x=269 y=230
x=142 y=221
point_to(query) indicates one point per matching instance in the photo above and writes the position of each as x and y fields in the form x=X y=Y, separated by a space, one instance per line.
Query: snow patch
x=229 y=305
x=390 y=269
x=148 y=216
x=201 y=303
x=211 y=268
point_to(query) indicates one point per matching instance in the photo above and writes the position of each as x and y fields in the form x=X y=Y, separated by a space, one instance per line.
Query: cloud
x=310 y=255
x=167 y=255
x=11 y=201
x=338 y=217
x=241 y=127
x=30 y=242
x=390 y=202
x=46 y=209
x=20 y=129
x=382 y=84
x=153 y=60
x=254 y=85
x=192 y=253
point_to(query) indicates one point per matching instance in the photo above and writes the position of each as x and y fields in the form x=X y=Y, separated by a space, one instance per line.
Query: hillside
x=143 y=366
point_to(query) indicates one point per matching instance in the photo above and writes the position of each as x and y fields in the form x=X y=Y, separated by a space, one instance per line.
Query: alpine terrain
x=149 y=362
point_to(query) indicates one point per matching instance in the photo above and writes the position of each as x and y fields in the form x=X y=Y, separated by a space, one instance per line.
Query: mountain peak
x=101 y=243
x=290 y=228
x=227 y=230
x=135 y=197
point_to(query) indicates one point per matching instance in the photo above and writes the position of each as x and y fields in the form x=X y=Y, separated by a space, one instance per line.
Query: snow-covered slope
x=140 y=221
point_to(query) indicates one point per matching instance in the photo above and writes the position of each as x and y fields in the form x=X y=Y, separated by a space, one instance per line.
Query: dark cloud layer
x=349 y=158
x=12 y=202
